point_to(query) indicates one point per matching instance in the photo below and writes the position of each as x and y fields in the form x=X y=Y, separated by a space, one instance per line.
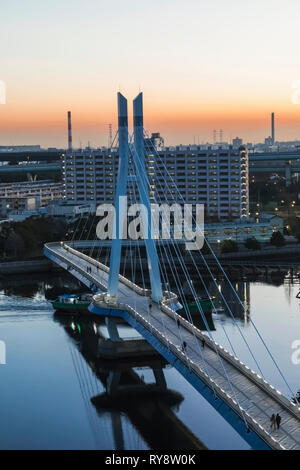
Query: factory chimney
x=273 y=128
x=69 y=131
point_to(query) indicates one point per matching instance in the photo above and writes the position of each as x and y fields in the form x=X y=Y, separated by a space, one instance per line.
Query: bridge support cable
x=75 y=229
x=88 y=380
x=214 y=281
x=108 y=248
x=142 y=179
x=199 y=347
x=257 y=331
x=202 y=281
x=125 y=260
x=135 y=200
x=178 y=283
x=208 y=329
x=134 y=192
x=186 y=274
x=83 y=228
x=116 y=244
x=85 y=398
x=230 y=284
x=176 y=278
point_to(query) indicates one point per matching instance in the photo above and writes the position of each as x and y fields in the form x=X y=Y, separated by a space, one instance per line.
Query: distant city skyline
x=201 y=66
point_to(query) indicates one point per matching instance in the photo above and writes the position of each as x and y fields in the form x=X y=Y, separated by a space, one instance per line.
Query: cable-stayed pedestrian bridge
x=237 y=392
x=241 y=395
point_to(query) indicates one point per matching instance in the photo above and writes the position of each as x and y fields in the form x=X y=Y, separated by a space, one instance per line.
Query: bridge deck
x=250 y=396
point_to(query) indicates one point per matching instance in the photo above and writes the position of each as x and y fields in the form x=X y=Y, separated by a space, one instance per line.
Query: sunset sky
x=202 y=65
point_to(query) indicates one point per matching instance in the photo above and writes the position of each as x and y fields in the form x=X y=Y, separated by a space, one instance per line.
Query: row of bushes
x=230 y=246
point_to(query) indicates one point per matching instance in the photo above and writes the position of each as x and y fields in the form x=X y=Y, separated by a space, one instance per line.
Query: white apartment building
x=43 y=190
x=217 y=178
x=239 y=230
x=90 y=176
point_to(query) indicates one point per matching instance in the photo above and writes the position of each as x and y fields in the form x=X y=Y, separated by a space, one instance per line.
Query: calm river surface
x=47 y=384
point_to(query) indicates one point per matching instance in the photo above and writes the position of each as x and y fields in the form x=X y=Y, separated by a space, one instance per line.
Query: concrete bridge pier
x=160 y=378
x=113 y=381
x=117 y=430
x=112 y=329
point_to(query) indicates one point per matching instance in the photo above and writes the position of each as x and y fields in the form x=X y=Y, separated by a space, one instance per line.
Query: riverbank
x=42 y=264
x=264 y=252
x=26 y=266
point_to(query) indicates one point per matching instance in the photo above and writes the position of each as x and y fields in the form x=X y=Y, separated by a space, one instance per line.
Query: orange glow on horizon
x=177 y=121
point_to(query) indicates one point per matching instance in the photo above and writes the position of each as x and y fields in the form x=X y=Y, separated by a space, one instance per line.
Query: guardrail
x=171 y=297
x=244 y=415
x=256 y=263
x=75 y=267
x=252 y=375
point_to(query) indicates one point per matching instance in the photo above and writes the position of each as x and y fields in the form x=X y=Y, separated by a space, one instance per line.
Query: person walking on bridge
x=278 y=420
x=272 y=422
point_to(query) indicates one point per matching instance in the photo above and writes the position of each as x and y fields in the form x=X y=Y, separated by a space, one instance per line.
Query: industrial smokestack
x=69 y=131
x=273 y=128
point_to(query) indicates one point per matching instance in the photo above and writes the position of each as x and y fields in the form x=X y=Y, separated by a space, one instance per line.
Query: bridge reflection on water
x=150 y=407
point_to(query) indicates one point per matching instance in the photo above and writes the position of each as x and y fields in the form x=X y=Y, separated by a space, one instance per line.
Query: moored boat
x=202 y=318
x=202 y=304
x=72 y=303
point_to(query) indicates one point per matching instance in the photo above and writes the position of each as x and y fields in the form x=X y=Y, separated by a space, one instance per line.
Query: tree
x=252 y=244
x=229 y=246
x=14 y=245
x=205 y=250
x=277 y=239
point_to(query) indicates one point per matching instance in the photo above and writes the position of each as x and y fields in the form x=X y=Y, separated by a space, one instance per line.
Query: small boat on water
x=205 y=304
x=202 y=322
x=72 y=303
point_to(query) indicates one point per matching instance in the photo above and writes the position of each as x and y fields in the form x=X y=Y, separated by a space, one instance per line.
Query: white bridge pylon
x=121 y=191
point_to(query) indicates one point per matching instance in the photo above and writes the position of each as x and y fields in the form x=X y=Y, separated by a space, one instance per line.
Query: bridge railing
x=251 y=374
x=170 y=297
x=193 y=367
x=139 y=290
x=246 y=371
x=68 y=262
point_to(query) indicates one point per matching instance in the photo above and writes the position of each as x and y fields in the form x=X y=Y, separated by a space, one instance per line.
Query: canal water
x=50 y=382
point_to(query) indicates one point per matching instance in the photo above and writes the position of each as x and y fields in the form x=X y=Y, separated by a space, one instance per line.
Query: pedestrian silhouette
x=178 y=322
x=183 y=347
x=278 y=420
x=203 y=343
x=272 y=422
